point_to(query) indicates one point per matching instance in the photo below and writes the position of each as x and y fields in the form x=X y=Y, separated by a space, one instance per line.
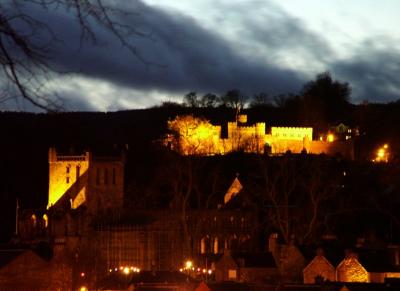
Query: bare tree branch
x=27 y=44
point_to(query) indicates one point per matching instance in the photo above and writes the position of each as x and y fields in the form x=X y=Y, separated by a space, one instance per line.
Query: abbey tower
x=96 y=182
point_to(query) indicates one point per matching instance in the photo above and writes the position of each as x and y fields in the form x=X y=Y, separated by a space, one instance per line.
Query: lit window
x=46 y=220
x=231 y=274
x=33 y=219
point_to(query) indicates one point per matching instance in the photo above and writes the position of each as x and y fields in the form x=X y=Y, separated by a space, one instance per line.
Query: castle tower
x=75 y=180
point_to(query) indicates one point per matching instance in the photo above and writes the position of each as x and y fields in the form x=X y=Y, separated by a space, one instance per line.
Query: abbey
x=86 y=220
x=96 y=181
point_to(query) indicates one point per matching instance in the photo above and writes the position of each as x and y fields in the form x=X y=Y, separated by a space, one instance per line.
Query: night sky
x=215 y=45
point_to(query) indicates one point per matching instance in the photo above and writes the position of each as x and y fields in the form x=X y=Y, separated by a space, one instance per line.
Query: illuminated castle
x=199 y=137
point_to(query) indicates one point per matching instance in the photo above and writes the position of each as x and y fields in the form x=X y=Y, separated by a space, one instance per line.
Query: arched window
x=114 y=174
x=78 y=171
x=203 y=245
x=33 y=220
x=215 y=246
x=67 y=171
x=46 y=220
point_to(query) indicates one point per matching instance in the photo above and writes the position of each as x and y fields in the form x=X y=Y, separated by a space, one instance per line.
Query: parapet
x=54 y=157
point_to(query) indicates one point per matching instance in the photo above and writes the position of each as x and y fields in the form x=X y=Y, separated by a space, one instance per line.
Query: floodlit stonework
x=319 y=267
x=350 y=270
x=97 y=182
x=197 y=136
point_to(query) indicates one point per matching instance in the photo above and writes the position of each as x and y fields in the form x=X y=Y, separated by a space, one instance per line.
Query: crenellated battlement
x=252 y=139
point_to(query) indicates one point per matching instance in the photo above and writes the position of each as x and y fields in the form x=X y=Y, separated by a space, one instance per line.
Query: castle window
x=67 y=169
x=78 y=171
x=105 y=176
x=97 y=176
x=67 y=180
x=113 y=176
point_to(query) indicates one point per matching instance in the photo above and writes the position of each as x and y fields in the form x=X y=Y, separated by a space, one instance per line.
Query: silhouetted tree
x=234 y=99
x=294 y=192
x=325 y=101
x=191 y=100
x=209 y=100
x=260 y=100
x=25 y=53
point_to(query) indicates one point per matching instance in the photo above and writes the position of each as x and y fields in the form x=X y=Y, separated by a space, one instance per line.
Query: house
x=319 y=269
x=367 y=265
x=322 y=267
x=25 y=269
x=246 y=267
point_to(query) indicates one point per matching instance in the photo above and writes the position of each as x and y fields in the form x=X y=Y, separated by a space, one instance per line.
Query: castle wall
x=344 y=148
x=246 y=138
x=291 y=133
x=281 y=146
x=203 y=138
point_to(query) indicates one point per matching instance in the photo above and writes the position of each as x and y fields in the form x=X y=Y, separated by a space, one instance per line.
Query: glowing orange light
x=330 y=137
x=82 y=274
x=83 y=288
x=188 y=264
x=126 y=270
x=382 y=154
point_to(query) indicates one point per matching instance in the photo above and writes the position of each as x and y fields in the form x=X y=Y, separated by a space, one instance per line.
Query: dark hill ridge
x=26 y=137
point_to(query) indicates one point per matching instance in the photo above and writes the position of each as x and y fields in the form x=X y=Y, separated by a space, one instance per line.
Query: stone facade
x=28 y=271
x=199 y=137
x=351 y=270
x=319 y=269
x=83 y=179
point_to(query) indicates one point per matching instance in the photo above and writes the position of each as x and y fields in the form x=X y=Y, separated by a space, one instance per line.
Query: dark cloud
x=188 y=57
x=191 y=57
x=374 y=74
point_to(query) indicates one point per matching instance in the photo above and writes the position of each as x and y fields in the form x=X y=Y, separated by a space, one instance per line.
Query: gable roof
x=320 y=258
x=7 y=256
x=233 y=190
